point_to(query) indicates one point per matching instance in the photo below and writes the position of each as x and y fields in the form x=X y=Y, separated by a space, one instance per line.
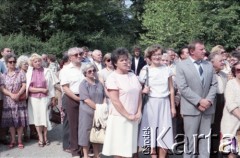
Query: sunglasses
x=91 y=71
x=237 y=71
x=78 y=54
x=108 y=60
x=12 y=62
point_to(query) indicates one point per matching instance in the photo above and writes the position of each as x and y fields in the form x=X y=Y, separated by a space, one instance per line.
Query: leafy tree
x=174 y=23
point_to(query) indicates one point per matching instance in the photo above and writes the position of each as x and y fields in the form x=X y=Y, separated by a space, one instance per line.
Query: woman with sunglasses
x=104 y=73
x=13 y=85
x=40 y=91
x=92 y=93
x=231 y=114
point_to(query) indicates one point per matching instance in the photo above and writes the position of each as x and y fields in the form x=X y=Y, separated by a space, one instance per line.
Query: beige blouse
x=230 y=123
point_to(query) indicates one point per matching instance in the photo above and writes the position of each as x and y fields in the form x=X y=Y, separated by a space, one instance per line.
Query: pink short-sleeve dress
x=121 y=134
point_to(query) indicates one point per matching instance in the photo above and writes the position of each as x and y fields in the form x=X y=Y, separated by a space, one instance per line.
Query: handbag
x=55 y=115
x=23 y=96
x=97 y=134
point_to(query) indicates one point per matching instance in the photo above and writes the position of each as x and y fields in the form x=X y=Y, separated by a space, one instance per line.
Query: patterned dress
x=14 y=112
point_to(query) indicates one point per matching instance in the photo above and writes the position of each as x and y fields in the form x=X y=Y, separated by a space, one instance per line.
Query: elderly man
x=97 y=59
x=44 y=60
x=197 y=85
x=70 y=78
x=218 y=64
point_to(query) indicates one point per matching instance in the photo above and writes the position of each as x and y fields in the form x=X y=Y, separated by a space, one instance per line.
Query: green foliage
x=21 y=44
x=58 y=25
x=174 y=23
x=58 y=43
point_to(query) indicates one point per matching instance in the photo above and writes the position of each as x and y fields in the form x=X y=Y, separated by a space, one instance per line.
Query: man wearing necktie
x=197 y=84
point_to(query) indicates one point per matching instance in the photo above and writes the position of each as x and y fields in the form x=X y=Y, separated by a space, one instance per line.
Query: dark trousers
x=72 y=110
x=65 y=132
x=215 y=141
x=2 y=130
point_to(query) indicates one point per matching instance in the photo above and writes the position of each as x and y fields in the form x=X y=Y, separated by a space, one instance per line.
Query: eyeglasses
x=91 y=71
x=78 y=54
x=12 y=62
x=237 y=70
x=223 y=52
x=108 y=60
x=157 y=55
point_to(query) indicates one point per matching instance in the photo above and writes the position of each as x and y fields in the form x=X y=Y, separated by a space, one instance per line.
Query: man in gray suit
x=197 y=84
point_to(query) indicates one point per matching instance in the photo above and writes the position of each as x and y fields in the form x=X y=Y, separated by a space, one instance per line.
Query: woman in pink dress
x=124 y=91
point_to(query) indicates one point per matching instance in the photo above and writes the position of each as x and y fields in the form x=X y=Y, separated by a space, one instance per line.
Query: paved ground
x=32 y=150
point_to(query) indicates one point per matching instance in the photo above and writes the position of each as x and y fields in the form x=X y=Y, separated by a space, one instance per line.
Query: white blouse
x=158 y=80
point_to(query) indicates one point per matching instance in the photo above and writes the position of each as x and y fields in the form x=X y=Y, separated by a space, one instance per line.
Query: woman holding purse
x=13 y=85
x=92 y=93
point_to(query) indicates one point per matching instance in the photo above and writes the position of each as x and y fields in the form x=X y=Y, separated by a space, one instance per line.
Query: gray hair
x=213 y=55
x=85 y=67
x=21 y=60
x=74 y=50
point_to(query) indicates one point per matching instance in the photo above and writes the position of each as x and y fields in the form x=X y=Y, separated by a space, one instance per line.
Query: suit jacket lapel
x=205 y=72
x=192 y=67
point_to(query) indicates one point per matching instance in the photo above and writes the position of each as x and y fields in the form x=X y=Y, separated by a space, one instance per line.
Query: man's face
x=218 y=62
x=76 y=58
x=185 y=54
x=44 y=57
x=97 y=56
x=199 y=52
x=137 y=53
x=6 y=51
x=172 y=55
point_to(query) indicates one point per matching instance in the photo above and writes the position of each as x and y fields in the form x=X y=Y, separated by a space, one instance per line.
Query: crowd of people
x=154 y=101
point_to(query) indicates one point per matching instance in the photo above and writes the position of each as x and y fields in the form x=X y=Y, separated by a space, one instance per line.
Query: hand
x=146 y=89
x=205 y=103
x=131 y=117
x=138 y=116
x=173 y=112
x=53 y=102
x=44 y=90
x=201 y=108
x=14 y=97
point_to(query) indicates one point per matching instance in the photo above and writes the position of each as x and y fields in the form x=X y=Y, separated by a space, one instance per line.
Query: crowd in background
x=190 y=91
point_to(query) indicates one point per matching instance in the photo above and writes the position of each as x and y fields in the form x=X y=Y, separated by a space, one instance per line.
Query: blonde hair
x=217 y=48
x=33 y=57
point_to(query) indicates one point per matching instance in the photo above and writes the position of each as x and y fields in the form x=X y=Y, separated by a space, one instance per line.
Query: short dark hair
x=192 y=45
x=233 y=70
x=116 y=55
x=235 y=54
x=180 y=52
x=52 y=57
x=7 y=57
x=136 y=49
x=85 y=49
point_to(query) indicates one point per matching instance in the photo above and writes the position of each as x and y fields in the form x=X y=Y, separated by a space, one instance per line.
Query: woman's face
x=91 y=73
x=37 y=63
x=11 y=64
x=108 y=63
x=156 y=57
x=237 y=71
x=165 y=60
x=24 y=66
x=122 y=63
